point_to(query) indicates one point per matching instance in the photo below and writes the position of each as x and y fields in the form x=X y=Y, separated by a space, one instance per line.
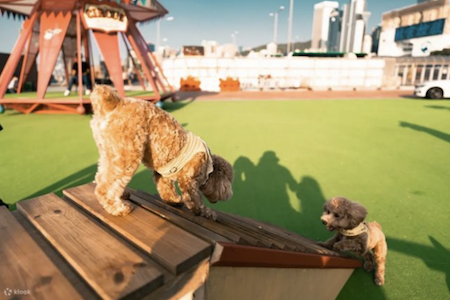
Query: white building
x=211 y=48
x=322 y=12
x=354 y=26
x=416 y=30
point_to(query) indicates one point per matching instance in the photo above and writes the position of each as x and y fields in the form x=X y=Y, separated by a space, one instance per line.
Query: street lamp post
x=158 y=31
x=234 y=37
x=291 y=16
x=275 y=23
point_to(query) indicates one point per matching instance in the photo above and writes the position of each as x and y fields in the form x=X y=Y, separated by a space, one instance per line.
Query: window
x=437 y=68
x=427 y=72
x=444 y=72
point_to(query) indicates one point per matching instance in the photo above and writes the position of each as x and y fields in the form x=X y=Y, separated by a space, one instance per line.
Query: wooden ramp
x=70 y=248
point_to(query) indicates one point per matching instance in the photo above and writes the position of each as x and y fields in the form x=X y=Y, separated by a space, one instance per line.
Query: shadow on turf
x=438 y=107
x=81 y=177
x=436 y=257
x=262 y=191
x=173 y=106
x=436 y=133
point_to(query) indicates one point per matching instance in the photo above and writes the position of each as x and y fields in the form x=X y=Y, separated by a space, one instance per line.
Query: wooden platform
x=62 y=105
x=70 y=248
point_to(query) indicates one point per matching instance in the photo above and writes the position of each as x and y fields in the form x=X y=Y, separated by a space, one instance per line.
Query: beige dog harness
x=360 y=229
x=193 y=145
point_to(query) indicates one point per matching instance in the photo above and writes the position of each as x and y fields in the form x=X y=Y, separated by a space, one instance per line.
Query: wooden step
x=110 y=267
x=173 y=247
x=24 y=266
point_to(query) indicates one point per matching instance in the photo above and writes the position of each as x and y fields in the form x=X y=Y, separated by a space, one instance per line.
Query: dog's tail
x=219 y=184
x=104 y=99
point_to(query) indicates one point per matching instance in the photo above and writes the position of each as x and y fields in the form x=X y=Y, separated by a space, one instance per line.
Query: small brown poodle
x=355 y=235
x=130 y=131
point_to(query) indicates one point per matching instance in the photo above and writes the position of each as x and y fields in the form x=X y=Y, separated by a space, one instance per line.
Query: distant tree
x=445 y=52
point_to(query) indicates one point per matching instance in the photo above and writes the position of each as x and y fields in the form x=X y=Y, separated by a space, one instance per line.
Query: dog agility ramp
x=71 y=248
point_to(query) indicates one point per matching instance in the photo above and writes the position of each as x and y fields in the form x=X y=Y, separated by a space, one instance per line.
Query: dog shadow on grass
x=436 y=133
x=268 y=191
x=436 y=257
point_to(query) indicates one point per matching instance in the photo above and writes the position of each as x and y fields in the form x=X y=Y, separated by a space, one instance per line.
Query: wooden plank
x=245 y=256
x=72 y=276
x=187 y=225
x=208 y=224
x=235 y=223
x=248 y=225
x=25 y=267
x=173 y=247
x=305 y=244
x=183 y=284
x=110 y=267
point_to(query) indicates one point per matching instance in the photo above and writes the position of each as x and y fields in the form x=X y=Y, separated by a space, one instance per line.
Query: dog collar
x=193 y=145
x=360 y=229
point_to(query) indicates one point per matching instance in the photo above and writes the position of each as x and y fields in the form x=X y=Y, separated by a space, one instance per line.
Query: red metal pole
x=89 y=56
x=13 y=60
x=80 y=75
x=24 y=62
x=138 y=73
x=160 y=71
x=143 y=58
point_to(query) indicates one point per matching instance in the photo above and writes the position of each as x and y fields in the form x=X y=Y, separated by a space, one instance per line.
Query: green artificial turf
x=289 y=157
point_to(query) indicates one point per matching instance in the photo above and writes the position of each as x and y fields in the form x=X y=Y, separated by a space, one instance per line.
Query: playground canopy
x=54 y=26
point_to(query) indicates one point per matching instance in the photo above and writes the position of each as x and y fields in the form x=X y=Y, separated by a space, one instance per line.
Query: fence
x=278 y=73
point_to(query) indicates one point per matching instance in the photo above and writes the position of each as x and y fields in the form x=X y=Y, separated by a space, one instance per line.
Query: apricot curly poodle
x=355 y=235
x=130 y=131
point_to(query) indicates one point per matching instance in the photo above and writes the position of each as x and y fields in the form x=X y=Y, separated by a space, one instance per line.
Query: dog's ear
x=104 y=99
x=356 y=214
x=219 y=184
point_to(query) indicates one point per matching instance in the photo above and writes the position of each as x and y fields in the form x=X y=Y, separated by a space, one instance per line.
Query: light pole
x=275 y=23
x=234 y=37
x=291 y=17
x=158 y=31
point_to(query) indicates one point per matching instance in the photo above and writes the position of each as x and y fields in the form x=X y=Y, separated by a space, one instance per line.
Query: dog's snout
x=324 y=222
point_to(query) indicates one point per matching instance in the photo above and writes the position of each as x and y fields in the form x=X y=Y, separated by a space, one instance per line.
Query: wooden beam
x=227 y=254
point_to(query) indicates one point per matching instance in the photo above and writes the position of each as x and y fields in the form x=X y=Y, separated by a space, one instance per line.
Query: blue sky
x=196 y=20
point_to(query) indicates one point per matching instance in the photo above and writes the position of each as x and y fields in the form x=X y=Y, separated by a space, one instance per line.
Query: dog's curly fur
x=130 y=131
x=340 y=213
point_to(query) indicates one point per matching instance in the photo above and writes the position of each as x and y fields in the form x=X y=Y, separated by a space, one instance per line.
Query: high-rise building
x=322 y=12
x=376 y=32
x=334 y=30
x=354 y=26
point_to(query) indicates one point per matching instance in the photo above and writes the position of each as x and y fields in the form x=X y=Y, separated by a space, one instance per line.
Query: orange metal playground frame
x=53 y=26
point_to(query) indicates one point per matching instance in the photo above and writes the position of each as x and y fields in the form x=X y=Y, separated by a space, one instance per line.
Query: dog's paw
x=120 y=208
x=173 y=202
x=322 y=244
x=379 y=280
x=209 y=214
x=368 y=266
x=126 y=195
x=338 y=247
